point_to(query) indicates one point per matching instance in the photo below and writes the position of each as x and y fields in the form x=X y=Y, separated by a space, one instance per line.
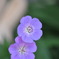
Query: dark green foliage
x=4 y=54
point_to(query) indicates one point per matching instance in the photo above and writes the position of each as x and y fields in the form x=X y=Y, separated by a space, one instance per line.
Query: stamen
x=29 y=29
x=22 y=50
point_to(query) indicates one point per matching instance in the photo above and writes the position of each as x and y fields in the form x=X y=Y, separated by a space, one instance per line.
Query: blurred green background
x=48 y=13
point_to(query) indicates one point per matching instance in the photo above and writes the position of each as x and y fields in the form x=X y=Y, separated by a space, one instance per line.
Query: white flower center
x=22 y=50
x=29 y=29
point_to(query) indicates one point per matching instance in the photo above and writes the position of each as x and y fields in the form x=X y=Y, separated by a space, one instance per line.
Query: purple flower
x=29 y=29
x=22 y=50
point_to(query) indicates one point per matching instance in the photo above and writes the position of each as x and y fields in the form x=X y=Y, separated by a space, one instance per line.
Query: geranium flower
x=22 y=50
x=29 y=29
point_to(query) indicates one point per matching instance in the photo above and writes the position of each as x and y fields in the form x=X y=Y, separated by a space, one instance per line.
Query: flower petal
x=36 y=23
x=18 y=40
x=13 y=49
x=27 y=39
x=31 y=47
x=24 y=56
x=20 y=29
x=30 y=56
x=26 y=19
x=15 y=56
x=37 y=35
